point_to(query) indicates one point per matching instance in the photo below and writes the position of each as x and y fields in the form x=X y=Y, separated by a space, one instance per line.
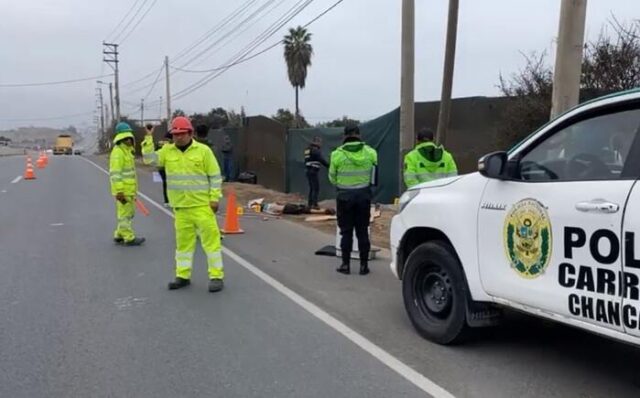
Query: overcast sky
x=356 y=61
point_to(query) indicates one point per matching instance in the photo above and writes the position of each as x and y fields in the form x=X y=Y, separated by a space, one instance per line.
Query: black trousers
x=314 y=187
x=163 y=175
x=353 y=214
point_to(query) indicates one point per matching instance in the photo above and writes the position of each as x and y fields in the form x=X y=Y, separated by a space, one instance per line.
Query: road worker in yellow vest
x=124 y=185
x=194 y=187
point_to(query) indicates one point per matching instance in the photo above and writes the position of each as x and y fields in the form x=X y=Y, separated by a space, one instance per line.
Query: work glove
x=214 y=206
x=121 y=198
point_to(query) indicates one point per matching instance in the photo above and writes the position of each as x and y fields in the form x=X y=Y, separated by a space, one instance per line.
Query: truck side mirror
x=493 y=165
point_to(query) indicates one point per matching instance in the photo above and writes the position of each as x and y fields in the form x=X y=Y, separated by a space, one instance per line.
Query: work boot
x=215 y=285
x=179 y=283
x=364 y=269
x=118 y=241
x=135 y=242
x=344 y=269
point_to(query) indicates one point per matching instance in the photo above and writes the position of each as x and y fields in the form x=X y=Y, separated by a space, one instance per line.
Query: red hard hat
x=181 y=124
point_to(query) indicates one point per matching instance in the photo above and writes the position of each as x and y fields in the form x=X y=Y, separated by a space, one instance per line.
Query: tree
x=287 y=118
x=297 y=54
x=610 y=64
x=340 y=122
x=217 y=118
x=235 y=119
x=178 y=112
x=613 y=64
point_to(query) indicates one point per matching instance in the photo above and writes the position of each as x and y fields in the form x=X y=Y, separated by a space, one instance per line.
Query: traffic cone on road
x=29 y=174
x=40 y=163
x=231 y=219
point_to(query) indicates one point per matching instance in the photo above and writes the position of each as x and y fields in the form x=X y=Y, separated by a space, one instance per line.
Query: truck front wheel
x=435 y=293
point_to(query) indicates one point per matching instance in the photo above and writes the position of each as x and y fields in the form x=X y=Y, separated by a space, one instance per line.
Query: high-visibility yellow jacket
x=352 y=165
x=122 y=170
x=193 y=176
x=428 y=162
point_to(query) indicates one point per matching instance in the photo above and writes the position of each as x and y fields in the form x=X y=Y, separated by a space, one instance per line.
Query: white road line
x=18 y=178
x=377 y=352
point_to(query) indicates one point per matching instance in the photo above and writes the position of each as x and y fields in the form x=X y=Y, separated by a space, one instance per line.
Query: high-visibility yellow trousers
x=124 y=214
x=192 y=223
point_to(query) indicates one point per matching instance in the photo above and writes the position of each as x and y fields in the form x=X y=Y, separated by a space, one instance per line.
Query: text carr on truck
x=550 y=228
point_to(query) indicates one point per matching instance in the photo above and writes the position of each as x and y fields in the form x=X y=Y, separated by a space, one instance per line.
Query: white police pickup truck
x=548 y=228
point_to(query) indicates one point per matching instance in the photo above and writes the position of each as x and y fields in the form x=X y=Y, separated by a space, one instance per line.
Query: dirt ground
x=247 y=192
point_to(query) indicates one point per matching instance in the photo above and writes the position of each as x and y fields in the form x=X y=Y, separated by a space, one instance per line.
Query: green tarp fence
x=380 y=133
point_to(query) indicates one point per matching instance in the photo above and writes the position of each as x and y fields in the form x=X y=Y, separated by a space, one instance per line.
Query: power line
x=292 y=13
x=230 y=32
x=126 y=15
x=145 y=77
x=154 y=84
x=116 y=39
x=244 y=58
x=194 y=45
x=54 y=82
x=139 y=22
x=216 y=28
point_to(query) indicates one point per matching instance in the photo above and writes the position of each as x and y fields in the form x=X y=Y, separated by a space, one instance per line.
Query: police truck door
x=630 y=292
x=549 y=237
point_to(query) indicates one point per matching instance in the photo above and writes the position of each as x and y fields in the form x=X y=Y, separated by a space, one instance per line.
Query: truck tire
x=435 y=293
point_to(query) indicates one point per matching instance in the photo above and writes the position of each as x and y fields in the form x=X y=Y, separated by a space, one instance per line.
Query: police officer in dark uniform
x=313 y=160
x=353 y=171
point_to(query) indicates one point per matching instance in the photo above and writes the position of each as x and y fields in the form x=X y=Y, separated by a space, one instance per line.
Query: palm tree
x=297 y=54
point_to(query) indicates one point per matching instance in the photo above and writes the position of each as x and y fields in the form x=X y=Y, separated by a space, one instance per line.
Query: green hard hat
x=123 y=130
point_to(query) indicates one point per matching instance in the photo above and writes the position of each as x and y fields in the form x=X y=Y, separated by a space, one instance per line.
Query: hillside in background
x=38 y=135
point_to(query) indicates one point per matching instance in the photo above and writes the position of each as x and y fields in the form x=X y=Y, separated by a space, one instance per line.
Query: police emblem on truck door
x=527 y=238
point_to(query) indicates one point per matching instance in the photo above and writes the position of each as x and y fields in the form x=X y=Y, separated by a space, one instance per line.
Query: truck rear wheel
x=435 y=293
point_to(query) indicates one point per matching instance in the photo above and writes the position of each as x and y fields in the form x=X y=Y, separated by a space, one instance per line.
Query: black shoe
x=215 y=285
x=135 y=242
x=344 y=269
x=364 y=269
x=179 y=283
x=118 y=241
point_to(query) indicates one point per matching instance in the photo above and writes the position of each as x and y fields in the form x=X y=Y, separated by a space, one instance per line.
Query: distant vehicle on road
x=78 y=151
x=548 y=228
x=64 y=145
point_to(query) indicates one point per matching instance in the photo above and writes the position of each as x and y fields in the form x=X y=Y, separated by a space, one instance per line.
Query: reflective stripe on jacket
x=193 y=176
x=122 y=170
x=352 y=166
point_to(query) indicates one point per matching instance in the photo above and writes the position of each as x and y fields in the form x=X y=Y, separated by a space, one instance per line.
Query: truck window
x=592 y=149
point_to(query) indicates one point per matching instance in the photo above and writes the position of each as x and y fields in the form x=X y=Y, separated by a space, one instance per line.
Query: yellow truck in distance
x=64 y=145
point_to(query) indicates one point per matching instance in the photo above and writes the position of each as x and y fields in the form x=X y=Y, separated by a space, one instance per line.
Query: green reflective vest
x=428 y=162
x=193 y=176
x=122 y=170
x=352 y=166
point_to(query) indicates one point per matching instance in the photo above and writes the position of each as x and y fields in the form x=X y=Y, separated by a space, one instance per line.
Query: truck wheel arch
x=413 y=238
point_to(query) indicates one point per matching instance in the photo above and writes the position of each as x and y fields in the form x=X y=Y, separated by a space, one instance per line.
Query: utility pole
x=102 y=133
x=166 y=66
x=566 y=74
x=160 y=110
x=142 y=112
x=111 y=57
x=407 y=130
x=447 y=78
x=113 y=116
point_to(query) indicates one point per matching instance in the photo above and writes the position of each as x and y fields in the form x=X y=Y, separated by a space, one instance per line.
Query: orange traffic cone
x=40 y=163
x=231 y=221
x=29 y=174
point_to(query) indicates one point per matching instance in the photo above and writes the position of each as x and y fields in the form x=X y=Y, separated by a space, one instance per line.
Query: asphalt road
x=81 y=317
